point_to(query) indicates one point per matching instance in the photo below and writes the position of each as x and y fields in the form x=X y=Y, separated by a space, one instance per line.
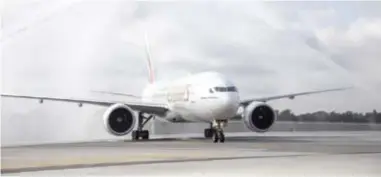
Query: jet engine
x=259 y=117
x=119 y=119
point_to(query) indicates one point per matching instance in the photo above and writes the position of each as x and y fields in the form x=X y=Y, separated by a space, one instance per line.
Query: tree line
x=322 y=116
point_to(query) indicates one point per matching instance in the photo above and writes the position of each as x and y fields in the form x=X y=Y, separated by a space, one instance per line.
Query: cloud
x=266 y=48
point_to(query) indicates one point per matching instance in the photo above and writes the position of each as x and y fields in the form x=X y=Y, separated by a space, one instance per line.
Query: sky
x=69 y=47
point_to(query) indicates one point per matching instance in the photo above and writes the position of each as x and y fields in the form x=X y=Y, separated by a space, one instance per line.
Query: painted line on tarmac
x=14 y=162
x=106 y=164
x=37 y=163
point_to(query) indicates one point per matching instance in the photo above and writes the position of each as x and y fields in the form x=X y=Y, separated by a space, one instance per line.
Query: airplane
x=208 y=97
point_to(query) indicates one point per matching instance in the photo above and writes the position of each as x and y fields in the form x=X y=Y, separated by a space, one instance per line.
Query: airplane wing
x=290 y=96
x=116 y=93
x=151 y=108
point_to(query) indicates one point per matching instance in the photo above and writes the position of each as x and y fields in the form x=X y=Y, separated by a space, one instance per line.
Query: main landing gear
x=216 y=131
x=140 y=133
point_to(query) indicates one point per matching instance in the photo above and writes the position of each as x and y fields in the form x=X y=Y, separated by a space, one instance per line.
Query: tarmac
x=321 y=153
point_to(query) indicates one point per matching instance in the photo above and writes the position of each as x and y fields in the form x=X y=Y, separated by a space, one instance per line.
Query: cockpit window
x=225 y=89
x=231 y=89
x=219 y=89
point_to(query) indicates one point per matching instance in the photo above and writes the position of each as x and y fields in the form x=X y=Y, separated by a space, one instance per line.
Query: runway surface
x=273 y=153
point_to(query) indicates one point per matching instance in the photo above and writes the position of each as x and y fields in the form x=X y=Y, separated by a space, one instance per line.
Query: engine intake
x=259 y=117
x=119 y=119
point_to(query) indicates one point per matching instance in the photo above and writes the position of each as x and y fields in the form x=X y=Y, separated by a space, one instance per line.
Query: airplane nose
x=229 y=105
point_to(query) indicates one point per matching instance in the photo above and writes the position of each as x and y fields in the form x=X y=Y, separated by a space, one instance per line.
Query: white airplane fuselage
x=202 y=97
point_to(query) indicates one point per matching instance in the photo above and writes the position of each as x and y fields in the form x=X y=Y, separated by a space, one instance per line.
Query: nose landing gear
x=219 y=136
x=216 y=131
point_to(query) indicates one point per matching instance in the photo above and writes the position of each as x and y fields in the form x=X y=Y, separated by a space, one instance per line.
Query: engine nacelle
x=119 y=119
x=259 y=117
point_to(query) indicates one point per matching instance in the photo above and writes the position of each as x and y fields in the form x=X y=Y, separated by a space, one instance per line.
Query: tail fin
x=151 y=72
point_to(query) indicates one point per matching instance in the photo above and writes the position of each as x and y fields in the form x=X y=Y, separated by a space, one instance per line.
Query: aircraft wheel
x=222 y=137
x=208 y=133
x=218 y=136
x=144 y=134
x=135 y=135
x=215 y=138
